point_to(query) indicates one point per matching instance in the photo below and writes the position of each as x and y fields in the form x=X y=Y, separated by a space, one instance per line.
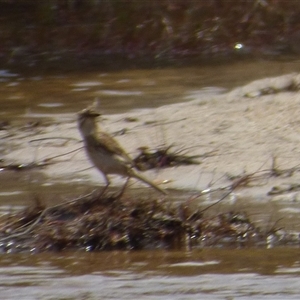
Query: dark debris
x=22 y=167
x=162 y=158
x=107 y=222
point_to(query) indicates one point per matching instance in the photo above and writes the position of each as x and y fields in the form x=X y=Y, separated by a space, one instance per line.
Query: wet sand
x=234 y=133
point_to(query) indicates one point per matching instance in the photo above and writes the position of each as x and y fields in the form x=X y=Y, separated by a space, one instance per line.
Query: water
x=47 y=93
x=200 y=274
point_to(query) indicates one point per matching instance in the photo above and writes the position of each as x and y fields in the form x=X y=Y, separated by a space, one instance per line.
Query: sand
x=233 y=133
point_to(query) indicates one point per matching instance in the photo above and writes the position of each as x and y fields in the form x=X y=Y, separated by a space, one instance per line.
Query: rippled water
x=201 y=274
x=38 y=92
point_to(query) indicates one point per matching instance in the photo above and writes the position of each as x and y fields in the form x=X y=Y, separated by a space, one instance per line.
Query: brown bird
x=104 y=151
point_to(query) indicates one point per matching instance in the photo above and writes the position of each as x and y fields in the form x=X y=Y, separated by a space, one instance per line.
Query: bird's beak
x=94 y=114
x=89 y=113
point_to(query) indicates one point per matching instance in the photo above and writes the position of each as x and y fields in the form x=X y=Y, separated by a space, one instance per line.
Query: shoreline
x=242 y=131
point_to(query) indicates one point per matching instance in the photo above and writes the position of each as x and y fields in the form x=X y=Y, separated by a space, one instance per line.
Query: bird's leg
x=106 y=180
x=107 y=184
x=123 y=188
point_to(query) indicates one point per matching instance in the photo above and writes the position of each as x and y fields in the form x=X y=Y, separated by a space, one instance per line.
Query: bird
x=104 y=152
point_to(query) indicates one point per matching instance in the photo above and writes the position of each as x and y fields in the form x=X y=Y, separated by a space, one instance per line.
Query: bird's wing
x=111 y=145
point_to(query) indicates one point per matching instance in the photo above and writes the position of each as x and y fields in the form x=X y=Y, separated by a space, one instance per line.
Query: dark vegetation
x=102 y=221
x=106 y=220
x=166 y=30
x=162 y=158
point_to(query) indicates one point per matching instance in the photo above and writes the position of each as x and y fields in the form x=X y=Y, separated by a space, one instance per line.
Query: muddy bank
x=246 y=142
x=237 y=133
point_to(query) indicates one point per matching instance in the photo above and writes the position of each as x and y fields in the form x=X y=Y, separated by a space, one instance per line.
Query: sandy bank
x=241 y=131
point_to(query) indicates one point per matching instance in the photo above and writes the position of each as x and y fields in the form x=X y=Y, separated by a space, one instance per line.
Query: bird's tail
x=145 y=180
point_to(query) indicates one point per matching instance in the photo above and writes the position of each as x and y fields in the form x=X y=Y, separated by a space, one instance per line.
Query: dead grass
x=107 y=221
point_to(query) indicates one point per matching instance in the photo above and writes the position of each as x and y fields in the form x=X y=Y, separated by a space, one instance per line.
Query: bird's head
x=86 y=120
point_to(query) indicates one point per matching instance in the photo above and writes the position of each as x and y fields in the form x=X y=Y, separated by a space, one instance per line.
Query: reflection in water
x=51 y=104
x=87 y=84
x=120 y=93
x=206 y=274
